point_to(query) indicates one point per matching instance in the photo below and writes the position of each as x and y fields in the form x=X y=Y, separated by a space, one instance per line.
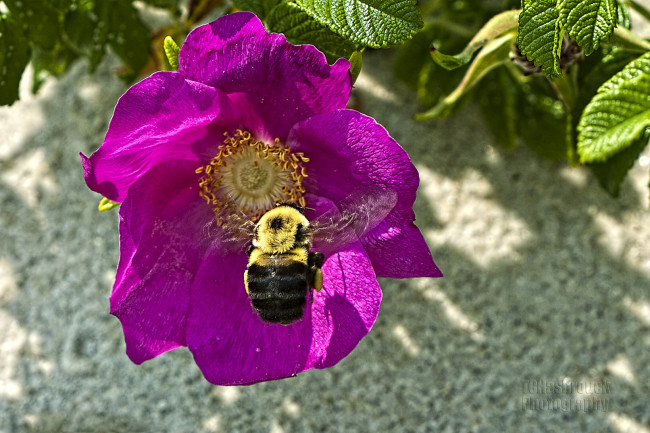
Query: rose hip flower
x=248 y=121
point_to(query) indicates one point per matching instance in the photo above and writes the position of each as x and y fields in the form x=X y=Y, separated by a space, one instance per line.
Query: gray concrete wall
x=546 y=278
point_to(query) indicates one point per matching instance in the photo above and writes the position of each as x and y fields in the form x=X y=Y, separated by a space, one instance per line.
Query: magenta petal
x=161 y=227
x=232 y=346
x=354 y=152
x=163 y=117
x=346 y=308
x=283 y=83
x=400 y=252
x=230 y=343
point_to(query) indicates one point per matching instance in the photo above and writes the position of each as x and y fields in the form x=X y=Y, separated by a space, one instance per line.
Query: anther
x=251 y=176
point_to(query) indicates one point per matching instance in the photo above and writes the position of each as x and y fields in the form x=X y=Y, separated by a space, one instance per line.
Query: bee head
x=282 y=229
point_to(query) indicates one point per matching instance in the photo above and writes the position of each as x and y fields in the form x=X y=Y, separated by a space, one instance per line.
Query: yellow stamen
x=251 y=176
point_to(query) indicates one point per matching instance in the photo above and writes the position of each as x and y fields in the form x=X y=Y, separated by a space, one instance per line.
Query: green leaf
x=127 y=35
x=171 y=51
x=540 y=36
x=14 y=56
x=494 y=53
x=374 y=23
x=54 y=62
x=85 y=35
x=261 y=8
x=93 y=25
x=300 y=28
x=595 y=70
x=496 y=26
x=618 y=115
x=611 y=173
x=588 y=21
x=623 y=19
x=592 y=73
x=413 y=56
x=40 y=21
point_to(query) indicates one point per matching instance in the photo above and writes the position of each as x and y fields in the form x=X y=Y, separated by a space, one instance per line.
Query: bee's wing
x=234 y=235
x=236 y=232
x=352 y=218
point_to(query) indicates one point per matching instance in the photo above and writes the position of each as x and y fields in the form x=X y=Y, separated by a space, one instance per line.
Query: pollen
x=251 y=176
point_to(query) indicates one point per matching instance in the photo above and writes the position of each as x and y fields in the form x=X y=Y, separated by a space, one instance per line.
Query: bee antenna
x=309 y=208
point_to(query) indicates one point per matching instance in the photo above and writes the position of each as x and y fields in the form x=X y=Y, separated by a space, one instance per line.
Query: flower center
x=252 y=176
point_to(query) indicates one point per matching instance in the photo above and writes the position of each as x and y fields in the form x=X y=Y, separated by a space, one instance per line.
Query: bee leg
x=315 y=259
x=317 y=282
x=315 y=262
x=246 y=281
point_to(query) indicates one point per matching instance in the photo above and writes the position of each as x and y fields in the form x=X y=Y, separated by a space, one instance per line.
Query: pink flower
x=248 y=120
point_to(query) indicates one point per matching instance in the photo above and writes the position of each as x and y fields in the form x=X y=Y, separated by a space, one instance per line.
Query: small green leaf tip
x=171 y=51
x=107 y=204
x=495 y=27
x=493 y=54
x=355 y=65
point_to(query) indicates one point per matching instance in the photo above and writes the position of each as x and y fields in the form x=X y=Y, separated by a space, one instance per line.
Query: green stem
x=624 y=38
x=572 y=153
x=565 y=90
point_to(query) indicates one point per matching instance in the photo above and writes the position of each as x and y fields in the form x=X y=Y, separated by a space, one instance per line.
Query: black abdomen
x=278 y=289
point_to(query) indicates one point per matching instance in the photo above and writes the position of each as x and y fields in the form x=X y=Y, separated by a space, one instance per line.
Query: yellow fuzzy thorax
x=276 y=230
x=261 y=258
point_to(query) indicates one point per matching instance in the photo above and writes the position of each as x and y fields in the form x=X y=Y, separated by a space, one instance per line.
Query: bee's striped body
x=280 y=267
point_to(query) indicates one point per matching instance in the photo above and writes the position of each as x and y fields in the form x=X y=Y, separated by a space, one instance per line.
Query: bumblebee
x=281 y=269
